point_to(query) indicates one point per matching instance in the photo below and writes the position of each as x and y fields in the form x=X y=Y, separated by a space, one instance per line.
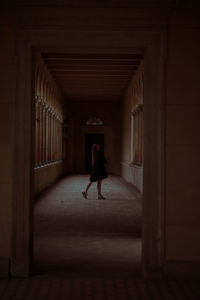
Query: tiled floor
x=91 y=249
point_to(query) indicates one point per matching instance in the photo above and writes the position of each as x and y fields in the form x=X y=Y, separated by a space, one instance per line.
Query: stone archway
x=151 y=44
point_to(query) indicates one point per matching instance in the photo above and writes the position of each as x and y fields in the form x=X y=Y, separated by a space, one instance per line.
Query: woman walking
x=98 y=170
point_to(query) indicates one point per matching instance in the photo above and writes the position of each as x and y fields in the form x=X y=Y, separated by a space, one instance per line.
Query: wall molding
x=49 y=164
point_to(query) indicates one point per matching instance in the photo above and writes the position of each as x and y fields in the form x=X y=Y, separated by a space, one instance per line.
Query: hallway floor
x=91 y=249
x=73 y=234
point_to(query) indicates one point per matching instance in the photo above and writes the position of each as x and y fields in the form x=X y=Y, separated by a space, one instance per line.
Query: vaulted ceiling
x=92 y=77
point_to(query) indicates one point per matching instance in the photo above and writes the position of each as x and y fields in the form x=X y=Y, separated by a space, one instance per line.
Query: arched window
x=94 y=121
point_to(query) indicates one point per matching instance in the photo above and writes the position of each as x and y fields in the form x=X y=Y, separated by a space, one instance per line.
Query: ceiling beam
x=62 y=68
x=89 y=76
x=91 y=56
x=95 y=63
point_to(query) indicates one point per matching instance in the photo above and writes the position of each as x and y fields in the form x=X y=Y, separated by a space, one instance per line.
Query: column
x=132 y=137
x=40 y=134
x=43 y=133
x=37 y=121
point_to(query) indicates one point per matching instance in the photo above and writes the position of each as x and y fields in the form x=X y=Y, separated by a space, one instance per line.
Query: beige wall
x=7 y=80
x=110 y=114
x=182 y=137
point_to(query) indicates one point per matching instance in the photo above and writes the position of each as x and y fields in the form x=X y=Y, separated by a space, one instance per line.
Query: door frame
x=153 y=46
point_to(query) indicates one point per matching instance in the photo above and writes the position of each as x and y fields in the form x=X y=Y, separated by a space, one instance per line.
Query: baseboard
x=4 y=267
x=182 y=269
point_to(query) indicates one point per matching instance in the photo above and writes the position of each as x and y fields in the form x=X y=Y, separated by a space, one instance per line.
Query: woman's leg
x=99 y=182
x=99 y=187
x=87 y=188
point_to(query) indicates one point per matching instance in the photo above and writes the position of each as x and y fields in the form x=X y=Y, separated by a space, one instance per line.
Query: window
x=48 y=118
x=94 y=121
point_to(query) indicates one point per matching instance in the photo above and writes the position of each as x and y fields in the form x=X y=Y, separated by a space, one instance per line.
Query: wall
x=131 y=169
x=110 y=114
x=47 y=175
x=7 y=80
x=182 y=135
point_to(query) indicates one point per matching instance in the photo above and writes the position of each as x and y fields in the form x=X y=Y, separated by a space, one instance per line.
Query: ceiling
x=92 y=3
x=92 y=77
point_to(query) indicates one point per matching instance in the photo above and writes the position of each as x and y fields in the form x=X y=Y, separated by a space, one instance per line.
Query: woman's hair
x=94 y=150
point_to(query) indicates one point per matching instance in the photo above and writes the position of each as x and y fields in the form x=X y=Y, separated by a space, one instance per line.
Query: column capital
x=138 y=107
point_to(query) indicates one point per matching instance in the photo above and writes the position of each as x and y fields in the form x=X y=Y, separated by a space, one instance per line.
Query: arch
x=94 y=121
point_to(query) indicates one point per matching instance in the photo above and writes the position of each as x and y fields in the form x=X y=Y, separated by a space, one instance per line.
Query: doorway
x=91 y=139
x=154 y=117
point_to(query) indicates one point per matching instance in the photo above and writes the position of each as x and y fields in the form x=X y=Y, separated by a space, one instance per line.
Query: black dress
x=98 y=170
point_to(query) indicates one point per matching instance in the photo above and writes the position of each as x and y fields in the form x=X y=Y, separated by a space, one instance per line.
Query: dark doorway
x=91 y=139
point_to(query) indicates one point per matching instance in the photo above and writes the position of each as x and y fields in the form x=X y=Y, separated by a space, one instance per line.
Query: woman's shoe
x=84 y=195
x=101 y=197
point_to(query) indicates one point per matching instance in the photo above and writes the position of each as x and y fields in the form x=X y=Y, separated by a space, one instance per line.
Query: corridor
x=124 y=75
x=78 y=236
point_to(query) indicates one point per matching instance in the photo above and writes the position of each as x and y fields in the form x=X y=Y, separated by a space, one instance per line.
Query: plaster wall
x=182 y=136
x=7 y=81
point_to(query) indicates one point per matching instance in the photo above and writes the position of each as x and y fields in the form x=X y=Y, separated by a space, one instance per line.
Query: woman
x=98 y=170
